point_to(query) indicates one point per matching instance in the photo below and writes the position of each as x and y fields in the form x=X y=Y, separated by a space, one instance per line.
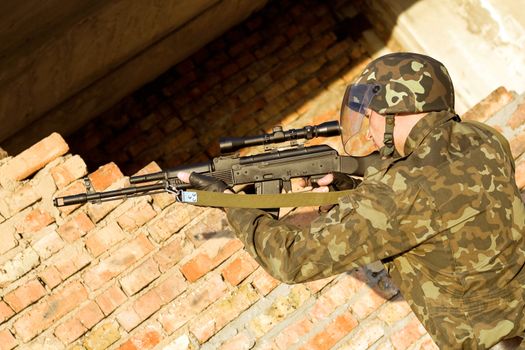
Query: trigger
x=287 y=186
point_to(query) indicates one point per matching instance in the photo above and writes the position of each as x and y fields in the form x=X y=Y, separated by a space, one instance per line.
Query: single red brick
x=498 y=128
x=221 y=313
x=110 y=299
x=518 y=117
x=44 y=314
x=151 y=168
x=140 y=277
x=171 y=287
x=129 y=319
x=36 y=157
x=179 y=139
x=136 y=216
x=366 y=335
x=263 y=281
x=105 y=176
x=409 y=334
x=337 y=294
x=367 y=302
x=140 y=310
x=334 y=331
x=239 y=341
x=48 y=243
x=76 y=227
x=7 y=237
x=101 y=240
x=191 y=303
x=144 y=339
x=25 y=295
x=90 y=315
x=229 y=70
x=517 y=145
x=5 y=312
x=118 y=261
x=34 y=221
x=18 y=265
x=245 y=59
x=172 y=253
x=74 y=188
x=128 y=345
x=147 y=304
x=254 y=39
x=487 y=107
x=70 y=260
x=73 y=168
x=338 y=49
x=142 y=144
x=61 y=176
x=51 y=277
x=172 y=220
x=293 y=333
x=70 y=330
x=211 y=254
x=317 y=285
x=239 y=269
x=394 y=311
x=22 y=198
x=7 y=340
x=199 y=231
x=98 y=211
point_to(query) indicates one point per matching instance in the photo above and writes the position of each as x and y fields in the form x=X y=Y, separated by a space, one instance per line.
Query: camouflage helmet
x=395 y=84
x=410 y=83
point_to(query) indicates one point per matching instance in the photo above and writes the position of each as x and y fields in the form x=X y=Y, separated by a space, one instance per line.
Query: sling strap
x=260 y=201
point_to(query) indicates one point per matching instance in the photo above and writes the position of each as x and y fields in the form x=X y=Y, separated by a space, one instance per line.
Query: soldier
x=442 y=211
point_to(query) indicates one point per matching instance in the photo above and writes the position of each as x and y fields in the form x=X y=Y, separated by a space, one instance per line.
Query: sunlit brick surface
x=149 y=273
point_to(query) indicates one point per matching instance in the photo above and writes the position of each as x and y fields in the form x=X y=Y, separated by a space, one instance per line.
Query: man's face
x=376 y=128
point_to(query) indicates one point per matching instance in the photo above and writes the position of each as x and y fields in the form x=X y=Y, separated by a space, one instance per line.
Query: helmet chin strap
x=388 y=149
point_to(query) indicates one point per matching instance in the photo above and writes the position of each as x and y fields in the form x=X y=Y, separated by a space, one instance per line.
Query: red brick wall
x=259 y=73
x=150 y=273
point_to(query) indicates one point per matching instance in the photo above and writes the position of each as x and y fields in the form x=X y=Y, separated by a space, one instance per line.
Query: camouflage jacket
x=447 y=220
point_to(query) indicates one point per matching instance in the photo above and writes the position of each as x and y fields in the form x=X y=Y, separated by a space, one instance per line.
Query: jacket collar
x=424 y=127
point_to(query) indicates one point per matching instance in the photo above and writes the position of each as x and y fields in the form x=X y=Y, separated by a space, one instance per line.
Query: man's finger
x=184 y=176
x=325 y=180
x=301 y=182
x=321 y=189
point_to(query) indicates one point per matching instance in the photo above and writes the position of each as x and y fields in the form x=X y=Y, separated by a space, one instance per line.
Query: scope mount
x=278 y=135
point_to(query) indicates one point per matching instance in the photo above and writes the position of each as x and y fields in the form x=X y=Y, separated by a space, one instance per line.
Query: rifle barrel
x=107 y=195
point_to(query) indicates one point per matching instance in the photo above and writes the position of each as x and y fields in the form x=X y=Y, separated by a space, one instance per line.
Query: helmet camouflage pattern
x=410 y=83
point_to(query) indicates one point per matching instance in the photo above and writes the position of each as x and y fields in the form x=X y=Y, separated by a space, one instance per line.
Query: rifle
x=270 y=172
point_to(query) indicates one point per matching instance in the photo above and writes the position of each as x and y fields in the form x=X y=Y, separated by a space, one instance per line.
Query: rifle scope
x=231 y=144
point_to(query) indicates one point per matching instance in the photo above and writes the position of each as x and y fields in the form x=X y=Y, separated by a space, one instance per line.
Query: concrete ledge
x=103 y=58
x=479 y=41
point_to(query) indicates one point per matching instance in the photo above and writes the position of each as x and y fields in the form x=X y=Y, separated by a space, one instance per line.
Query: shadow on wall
x=274 y=68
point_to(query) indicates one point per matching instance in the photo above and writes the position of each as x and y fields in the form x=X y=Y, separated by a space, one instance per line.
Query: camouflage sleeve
x=370 y=225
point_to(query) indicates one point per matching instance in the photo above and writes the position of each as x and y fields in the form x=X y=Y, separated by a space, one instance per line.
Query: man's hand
x=342 y=181
x=337 y=182
x=203 y=182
